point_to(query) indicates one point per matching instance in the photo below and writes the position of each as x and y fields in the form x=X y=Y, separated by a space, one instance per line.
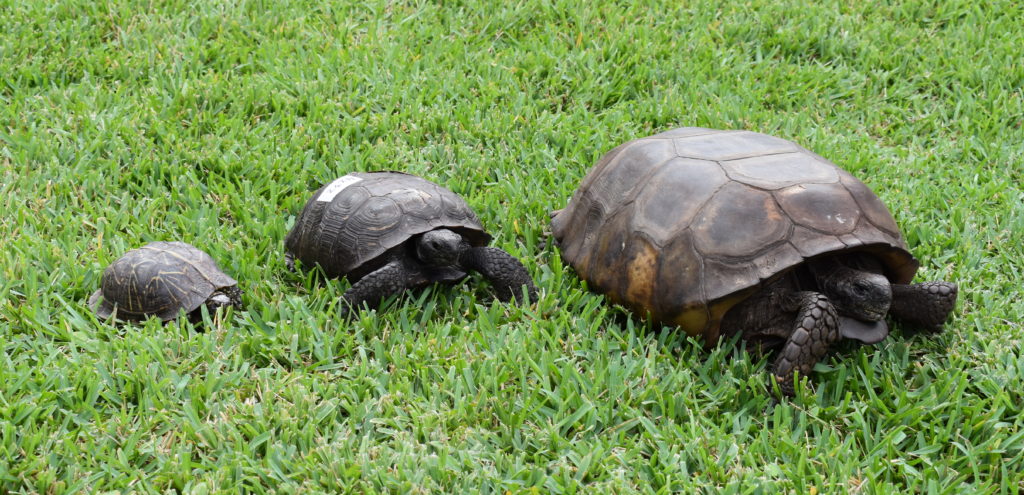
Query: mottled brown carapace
x=682 y=225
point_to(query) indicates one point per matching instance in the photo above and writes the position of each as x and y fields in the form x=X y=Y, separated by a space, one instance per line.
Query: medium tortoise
x=735 y=232
x=387 y=232
x=163 y=279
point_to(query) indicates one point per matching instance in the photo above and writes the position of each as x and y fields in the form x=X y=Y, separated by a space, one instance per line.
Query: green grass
x=126 y=121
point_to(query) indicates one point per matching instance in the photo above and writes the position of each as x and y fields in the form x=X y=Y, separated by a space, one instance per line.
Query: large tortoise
x=391 y=231
x=163 y=279
x=726 y=232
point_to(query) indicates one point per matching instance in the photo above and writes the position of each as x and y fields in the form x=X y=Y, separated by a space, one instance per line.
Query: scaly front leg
x=388 y=280
x=506 y=273
x=815 y=330
x=925 y=305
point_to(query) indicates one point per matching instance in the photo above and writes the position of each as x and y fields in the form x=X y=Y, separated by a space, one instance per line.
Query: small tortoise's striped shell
x=682 y=225
x=159 y=279
x=348 y=231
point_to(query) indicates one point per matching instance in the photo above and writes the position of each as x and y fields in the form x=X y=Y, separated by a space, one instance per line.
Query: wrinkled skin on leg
x=926 y=305
x=815 y=330
x=443 y=247
x=839 y=297
x=506 y=273
x=805 y=324
x=393 y=278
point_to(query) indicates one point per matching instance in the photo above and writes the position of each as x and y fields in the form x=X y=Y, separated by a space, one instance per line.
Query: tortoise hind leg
x=388 y=280
x=506 y=273
x=815 y=330
x=925 y=305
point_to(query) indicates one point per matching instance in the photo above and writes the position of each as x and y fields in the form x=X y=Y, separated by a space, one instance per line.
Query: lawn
x=129 y=121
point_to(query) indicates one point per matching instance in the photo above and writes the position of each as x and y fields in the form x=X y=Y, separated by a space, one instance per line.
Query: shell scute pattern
x=724 y=212
x=659 y=212
x=736 y=206
x=730 y=145
x=376 y=213
x=780 y=170
x=827 y=208
x=872 y=207
x=637 y=161
x=161 y=279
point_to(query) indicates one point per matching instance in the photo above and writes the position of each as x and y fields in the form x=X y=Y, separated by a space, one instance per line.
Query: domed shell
x=684 y=224
x=350 y=223
x=159 y=279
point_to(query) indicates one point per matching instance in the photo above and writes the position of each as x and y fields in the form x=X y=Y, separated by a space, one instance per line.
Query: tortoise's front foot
x=816 y=329
x=289 y=262
x=388 y=280
x=926 y=305
x=506 y=273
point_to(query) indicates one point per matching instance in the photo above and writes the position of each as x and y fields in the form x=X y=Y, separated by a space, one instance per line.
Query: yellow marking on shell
x=133 y=287
x=771 y=210
x=189 y=261
x=641 y=272
x=383 y=228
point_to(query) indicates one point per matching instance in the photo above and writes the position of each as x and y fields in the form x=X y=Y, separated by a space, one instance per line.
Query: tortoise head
x=441 y=248
x=859 y=294
x=227 y=296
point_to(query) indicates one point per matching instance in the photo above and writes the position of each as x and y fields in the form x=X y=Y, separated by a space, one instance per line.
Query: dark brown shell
x=159 y=279
x=348 y=229
x=684 y=224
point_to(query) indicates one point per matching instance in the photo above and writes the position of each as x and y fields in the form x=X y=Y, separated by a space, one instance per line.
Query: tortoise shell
x=349 y=225
x=682 y=225
x=159 y=279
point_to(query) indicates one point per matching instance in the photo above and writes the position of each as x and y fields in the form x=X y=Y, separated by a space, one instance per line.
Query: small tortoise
x=164 y=279
x=390 y=231
x=734 y=232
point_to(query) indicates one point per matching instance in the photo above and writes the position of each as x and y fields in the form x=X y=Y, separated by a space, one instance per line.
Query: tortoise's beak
x=868 y=332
